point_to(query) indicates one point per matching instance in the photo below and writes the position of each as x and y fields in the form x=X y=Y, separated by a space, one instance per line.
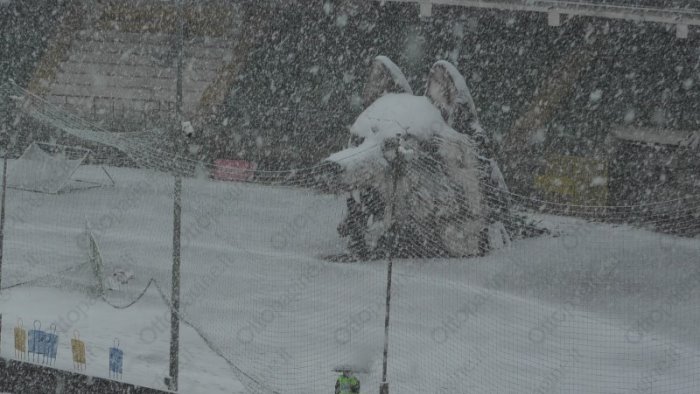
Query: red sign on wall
x=233 y=170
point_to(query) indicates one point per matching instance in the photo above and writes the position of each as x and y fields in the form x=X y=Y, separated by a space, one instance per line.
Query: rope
x=32 y=281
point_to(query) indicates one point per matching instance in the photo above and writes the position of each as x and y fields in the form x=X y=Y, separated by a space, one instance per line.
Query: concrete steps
x=119 y=73
x=214 y=53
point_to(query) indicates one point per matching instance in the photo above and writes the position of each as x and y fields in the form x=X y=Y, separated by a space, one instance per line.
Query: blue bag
x=116 y=359
x=36 y=341
x=51 y=345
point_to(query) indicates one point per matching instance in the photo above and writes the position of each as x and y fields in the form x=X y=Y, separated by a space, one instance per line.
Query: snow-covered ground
x=596 y=308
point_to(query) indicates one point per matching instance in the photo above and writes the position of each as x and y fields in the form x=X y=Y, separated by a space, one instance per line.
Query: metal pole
x=6 y=120
x=175 y=297
x=2 y=205
x=384 y=387
x=2 y=215
x=177 y=215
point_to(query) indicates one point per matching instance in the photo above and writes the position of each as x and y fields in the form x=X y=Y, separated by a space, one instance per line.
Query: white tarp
x=41 y=171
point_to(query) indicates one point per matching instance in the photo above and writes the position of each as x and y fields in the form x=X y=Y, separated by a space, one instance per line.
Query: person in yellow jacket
x=347 y=383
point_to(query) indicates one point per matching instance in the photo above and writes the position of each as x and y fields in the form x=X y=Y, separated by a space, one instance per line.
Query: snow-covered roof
x=651 y=135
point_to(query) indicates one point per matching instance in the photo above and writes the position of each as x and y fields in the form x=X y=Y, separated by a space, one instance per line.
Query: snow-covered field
x=596 y=308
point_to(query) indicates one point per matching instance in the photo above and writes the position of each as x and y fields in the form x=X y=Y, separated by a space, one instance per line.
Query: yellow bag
x=78 y=348
x=20 y=340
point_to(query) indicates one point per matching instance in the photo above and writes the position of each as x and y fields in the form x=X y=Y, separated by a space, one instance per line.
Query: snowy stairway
x=121 y=74
x=111 y=71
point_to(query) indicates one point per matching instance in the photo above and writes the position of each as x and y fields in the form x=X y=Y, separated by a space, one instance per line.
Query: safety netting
x=285 y=275
x=45 y=168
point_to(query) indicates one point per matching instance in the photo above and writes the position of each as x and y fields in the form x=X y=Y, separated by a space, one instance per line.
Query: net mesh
x=491 y=291
x=45 y=168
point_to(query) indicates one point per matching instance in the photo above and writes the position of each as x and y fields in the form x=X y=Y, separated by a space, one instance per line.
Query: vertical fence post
x=175 y=297
x=396 y=172
x=177 y=212
x=384 y=388
x=6 y=120
x=6 y=123
x=2 y=203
